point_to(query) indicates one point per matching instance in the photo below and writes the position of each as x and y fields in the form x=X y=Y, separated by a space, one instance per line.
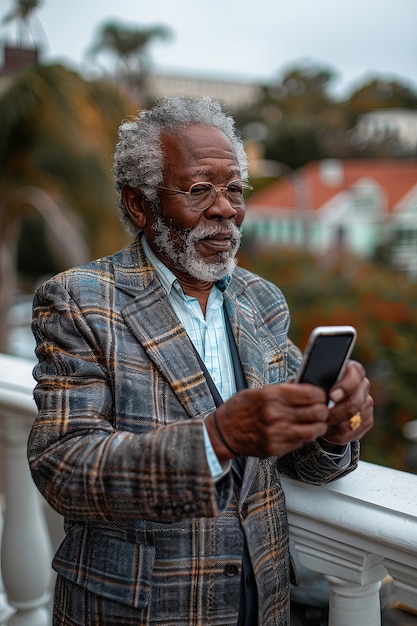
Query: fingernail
x=337 y=395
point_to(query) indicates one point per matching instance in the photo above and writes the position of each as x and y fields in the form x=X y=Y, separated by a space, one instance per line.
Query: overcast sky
x=256 y=39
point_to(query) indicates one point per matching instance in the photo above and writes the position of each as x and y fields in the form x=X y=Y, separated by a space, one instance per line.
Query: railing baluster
x=353 y=604
x=6 y=610
x=26 y=549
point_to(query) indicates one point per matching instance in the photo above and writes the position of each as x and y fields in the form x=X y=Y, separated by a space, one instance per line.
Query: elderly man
x=166 y=404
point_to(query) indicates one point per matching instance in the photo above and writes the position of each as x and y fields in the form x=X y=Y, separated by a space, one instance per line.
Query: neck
x=198 y=289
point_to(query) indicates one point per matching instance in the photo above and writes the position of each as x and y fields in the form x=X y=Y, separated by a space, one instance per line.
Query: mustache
x=203 y=231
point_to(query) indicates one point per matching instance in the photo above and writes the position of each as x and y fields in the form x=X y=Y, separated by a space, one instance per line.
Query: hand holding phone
x=324 y=359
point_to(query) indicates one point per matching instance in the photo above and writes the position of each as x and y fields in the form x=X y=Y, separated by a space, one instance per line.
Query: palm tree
x=22 y=12
x=129 y=44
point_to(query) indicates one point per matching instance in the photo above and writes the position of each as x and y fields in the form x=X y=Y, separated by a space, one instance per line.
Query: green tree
x=130 y=46
x=305 y=91
x=22 y=12
x=57 y=135
x=295 y=112
x=298 y=119
x=379 y=93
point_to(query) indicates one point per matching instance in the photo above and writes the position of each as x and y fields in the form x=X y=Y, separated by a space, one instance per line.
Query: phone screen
x=326 y=360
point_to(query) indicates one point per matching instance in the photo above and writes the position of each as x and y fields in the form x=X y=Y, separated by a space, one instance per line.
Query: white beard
x=179 y=246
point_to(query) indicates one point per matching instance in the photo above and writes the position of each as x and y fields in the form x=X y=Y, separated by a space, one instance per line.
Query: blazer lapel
x=152 y=320
x=254 y=360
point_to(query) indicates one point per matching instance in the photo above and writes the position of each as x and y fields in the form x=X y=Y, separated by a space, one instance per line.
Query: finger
x=295 y=395
x=352 y=377
x=351 y=404
x=363 y=420
x=278 y=417
x=307 y=432
x=294 y=437
x=355 y=427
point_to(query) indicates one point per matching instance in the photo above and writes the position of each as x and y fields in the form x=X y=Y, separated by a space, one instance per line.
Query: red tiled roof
x=395 y=176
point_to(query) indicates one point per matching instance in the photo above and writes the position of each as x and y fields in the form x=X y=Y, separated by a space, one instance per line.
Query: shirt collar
x=164 y=274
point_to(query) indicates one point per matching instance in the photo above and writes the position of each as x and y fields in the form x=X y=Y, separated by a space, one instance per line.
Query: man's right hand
x=269 y=421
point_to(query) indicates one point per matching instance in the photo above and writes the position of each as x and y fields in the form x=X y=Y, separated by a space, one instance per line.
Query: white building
x=383 y=125
x=232 y=93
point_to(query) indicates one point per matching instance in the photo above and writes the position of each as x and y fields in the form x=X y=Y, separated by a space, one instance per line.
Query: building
x=232 y=93
x=15 y=60
x=397 y=126
x=360 y=204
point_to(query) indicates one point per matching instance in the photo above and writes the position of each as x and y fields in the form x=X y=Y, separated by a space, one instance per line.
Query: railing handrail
x=375 y=504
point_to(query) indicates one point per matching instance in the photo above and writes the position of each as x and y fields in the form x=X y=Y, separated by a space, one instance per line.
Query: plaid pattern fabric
x=118 y=449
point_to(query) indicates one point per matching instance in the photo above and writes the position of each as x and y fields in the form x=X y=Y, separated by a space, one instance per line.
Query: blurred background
x=325 y=97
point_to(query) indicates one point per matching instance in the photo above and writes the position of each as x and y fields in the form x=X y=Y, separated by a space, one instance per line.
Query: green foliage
x=381 y=305
x=297 y=119
x=58 y=134
x=292 y=142
x=380 y=94
x=22 y=10
x=128 y=43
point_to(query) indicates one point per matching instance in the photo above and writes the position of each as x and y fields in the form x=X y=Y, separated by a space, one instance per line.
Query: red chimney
x=18 y=59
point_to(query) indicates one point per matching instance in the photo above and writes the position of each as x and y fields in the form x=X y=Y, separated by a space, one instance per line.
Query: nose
x=221 y=207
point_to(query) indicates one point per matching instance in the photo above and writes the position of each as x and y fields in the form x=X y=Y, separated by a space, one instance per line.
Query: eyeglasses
x=201 y=196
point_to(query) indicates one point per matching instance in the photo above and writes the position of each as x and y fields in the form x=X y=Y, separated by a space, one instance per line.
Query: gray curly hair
x=139 y=158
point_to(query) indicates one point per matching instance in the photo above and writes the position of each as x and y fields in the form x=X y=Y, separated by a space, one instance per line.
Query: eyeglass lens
x=202 y=195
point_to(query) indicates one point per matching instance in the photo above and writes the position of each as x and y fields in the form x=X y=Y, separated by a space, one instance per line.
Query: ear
x=136 y=206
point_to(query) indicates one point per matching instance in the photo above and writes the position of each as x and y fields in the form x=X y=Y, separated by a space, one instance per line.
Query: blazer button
x=231 y=569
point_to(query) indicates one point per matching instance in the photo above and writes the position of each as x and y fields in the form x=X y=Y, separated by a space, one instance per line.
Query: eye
x=235 y=188
x=200 y=189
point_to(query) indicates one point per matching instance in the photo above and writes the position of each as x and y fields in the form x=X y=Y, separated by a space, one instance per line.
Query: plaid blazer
x=118 y=449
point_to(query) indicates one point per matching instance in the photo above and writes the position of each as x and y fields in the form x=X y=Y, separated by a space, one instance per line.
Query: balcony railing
x=355 y=531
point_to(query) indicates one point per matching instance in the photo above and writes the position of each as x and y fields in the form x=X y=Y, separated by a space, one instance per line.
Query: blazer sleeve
x=311 y=464
x=85 y=468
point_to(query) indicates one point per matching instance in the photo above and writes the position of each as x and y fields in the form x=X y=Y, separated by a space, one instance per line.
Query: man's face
x=201 y=245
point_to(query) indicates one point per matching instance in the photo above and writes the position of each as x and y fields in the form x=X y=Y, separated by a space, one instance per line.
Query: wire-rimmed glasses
x=201 y=196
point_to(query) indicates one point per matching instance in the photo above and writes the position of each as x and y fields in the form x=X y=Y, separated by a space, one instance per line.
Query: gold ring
x=355 y=421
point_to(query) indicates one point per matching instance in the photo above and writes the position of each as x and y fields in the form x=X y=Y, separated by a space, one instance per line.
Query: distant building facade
x=16 y=59
x=394 y=125
x=233 y=94
x=359 y=204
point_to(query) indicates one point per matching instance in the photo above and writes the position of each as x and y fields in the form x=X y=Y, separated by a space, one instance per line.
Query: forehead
x=196 y=147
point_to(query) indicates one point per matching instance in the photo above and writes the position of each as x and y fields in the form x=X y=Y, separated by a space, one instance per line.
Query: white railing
x=26 y=548
x=355 y=531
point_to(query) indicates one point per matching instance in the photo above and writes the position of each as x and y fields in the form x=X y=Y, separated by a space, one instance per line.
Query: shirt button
x=231 y=569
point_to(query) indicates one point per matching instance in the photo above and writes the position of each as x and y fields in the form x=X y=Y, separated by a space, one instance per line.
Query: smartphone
x=328 y=349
